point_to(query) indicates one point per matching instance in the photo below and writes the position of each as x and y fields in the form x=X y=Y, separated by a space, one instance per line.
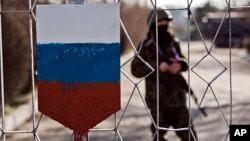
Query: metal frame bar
x=35 y=126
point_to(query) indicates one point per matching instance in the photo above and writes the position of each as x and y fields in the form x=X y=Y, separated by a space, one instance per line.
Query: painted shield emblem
x=78 y=56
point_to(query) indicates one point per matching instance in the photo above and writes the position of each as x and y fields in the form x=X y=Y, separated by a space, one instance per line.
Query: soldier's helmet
x=162 y=14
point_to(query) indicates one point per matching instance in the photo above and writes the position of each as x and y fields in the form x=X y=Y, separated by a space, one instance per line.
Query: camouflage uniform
x=172 y=88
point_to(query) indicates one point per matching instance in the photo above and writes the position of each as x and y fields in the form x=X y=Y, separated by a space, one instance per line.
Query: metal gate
x=133 y=120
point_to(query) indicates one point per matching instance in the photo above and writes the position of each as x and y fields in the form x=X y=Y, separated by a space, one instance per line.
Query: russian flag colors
x=78 y=58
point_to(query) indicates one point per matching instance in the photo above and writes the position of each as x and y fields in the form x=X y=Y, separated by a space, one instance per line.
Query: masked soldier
x=172 y=86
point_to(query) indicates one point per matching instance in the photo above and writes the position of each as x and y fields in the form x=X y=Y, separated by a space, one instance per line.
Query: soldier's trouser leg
x=183 y=121
x=162 y=123
x=161 y=134
x=184 y=135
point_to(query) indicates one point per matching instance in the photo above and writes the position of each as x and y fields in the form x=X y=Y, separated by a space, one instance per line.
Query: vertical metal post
x=32 y=69
x=2 y=76
x=189 y=81
x=230 y=59
x=84 y=137
x=157 y=74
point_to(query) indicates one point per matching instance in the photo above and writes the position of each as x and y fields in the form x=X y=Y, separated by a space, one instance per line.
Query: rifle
x=183 y=83
x=181 y=80
x=202 y=109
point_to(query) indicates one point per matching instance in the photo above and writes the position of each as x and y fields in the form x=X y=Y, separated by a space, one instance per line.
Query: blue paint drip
x=79 y=62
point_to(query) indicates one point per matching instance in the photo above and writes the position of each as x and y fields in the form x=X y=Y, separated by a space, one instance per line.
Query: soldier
x=172 y=86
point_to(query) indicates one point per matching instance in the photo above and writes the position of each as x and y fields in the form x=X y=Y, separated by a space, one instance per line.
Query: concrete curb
x=18 y=117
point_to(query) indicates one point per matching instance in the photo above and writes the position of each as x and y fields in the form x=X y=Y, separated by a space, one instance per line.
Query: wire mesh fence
x=208 y=68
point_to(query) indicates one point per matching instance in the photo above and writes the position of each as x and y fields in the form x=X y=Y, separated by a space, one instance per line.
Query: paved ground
x=135 y=122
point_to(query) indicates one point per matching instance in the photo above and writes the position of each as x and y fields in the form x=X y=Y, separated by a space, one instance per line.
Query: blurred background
x=207 y=14
x=206 y=18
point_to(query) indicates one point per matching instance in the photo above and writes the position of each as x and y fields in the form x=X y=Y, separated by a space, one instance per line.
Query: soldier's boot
x=161 y=139
x=161 y=134
x=185 y=137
